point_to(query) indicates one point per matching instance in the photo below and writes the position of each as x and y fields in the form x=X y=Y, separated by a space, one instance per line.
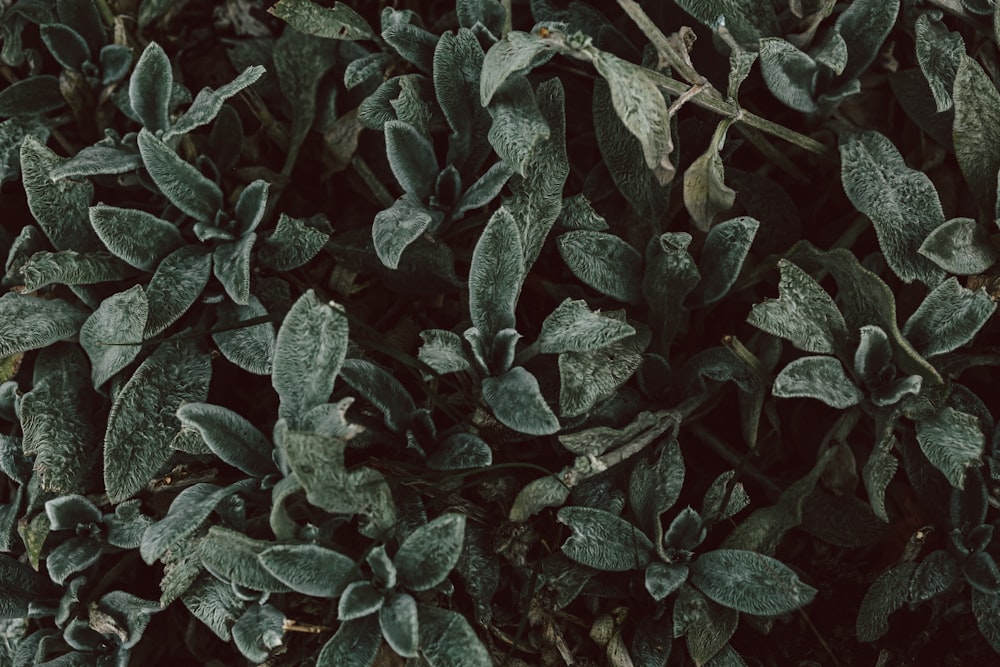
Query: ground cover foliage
x=481 y=332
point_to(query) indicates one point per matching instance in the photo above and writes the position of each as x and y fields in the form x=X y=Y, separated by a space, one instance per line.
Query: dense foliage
x=495 y=332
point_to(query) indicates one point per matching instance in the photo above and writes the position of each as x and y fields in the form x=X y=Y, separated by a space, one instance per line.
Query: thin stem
x=381 y=194
x=106 y=14
x=508 y=18
x=667 y=52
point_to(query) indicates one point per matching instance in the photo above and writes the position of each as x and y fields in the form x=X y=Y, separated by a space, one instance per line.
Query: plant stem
x=669 y=57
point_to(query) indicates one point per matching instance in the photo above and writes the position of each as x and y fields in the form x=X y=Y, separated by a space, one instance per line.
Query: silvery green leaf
x=376 y=109
x=934 y=575
x=596 y=440
x=231 y=266
x=292 y=243
x=60 y=208
x=22 y=586
x=127 y=525
x=518 y=125
x=338 y=22
x=460 y=451
x=310 y=347
x=447 y=639
x=952 y=441
x=309 y=569
x=412 y=105
x=383 y=570
x=623 y=156
x=604 y=541
x=886 y=594
x=123 y=615
x=398 y=620
x=232 y=556
x=822 y=378
x=442 y=351
x=877 y=473
x=663 y=579
x=411 y=157
x=32 y=96
x=686 y=532
x=458 y=60
x=959 y=246
x=359 y=599
x=670 y=275
x=66 y=45
x=873 y=356
x=181 y=568
x=250 y=206
x=31 y=323
x=249 y=347
x=187 y=511
x=486 y=188
x=939 y=52
x=975 y=133
x=300 y=63
x=177 y=283
x=589 y=377
x=949 y=317
x=150 y=87
x=74 y=555
x=230 y=436
x=331 y=419
x=986 y=609
x=318 y=461
x=214 y=603
x=548 y=491
x=112 y=335
x=642 y=109
x=115 y=61
x=430 y=552
x=517 y=53
x=578 y=214
x=981 y=571
x=413 y=43
x=573 y=327
x=748 y=20
x=208 y=102
x=789 y=73
x=139 y=238
x=179 y=181
x=73 y=268
x=902 y=203
x=257 y=631
x=377 y=386
x=711 y=507
x=365 y=70
x=85 y=19
x=396 y=227
x=864 y=26
x=537 y=196
x=750 y=582
x=740 y=62
x=137 y=441
x=13 y=463
x=722 y=256
x=803 y=313
x=517 y=402
x=605 y=262
x=69 y=511
x=98 y=159
x=496 y=275
x=12 y=134
x=490 y=13
x=355 y=644
x=706 y=195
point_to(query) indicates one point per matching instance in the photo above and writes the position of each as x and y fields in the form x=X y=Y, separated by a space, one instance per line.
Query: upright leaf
x=249 y=347
x=518 y=53
x=447 y=639
x=430 y=552
x=179 y=181
x=952 y=441
x=177 y=283
x=748 y=20
x=976 y=130
x=886 y=594
x=150 y=88
x=706 y=195
x=208 y=103
x=411 y=157
x=939 y=54
x=495 y=275
x=518 y=125
x=959 y=246
x=722 y=256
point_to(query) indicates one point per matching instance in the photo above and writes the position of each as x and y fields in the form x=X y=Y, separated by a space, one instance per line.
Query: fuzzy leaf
x=489 y=13
x=66 y=45
x=670 y=275
x=549 y=491
x=258 y=630
x=150 y=87
x=355 y=644
x=300 y=63
x=214 y=603
x=496 y=275
x=21 y=587
x=231 y=266
x=208 y=103
x=112 y=335
x=864 y=26
x=822 y=378
x=573 y=327
x=411 y=157
x=750 y=582
x=430 y=552
x=747 y=19
x=459 y=452
x=177 y=283
x=115 y=60
x=447 y=639
x=338 y=22
x=986 y=609
x=516 y=401
x=877 y=473
x=442 y=351
x=139 y=238
x=381 y=389
x=74 y=555
x=309 y=568
x=959 y=246
x=518 y=125
x=359 y=599
x=232 y=556
x=32 y=96
x=249 y=347
x=952 y=442
x=179 y=181
x=722 y=256
x=803 y=313
x=309 y=349
x=605 y=262
x=73 y=268
x=706 y=195
x=292 y=243
x=60 y=208
x=230 y=437
x=790 y=74
x=886 y=594
x=589 y=377
x=901 y=202
x=975 y=131
x=662 y=579
x=458 y=60
x=413 y=43
x=396 y=227
x=518 y=53
x=711 y=507
x=143 y=418
x=939 y=53
x=486 y=188
x=934 y=575
x=31 y=323
x=398 y=620
x=654 y=487
x=949 y=317
x=604 y=541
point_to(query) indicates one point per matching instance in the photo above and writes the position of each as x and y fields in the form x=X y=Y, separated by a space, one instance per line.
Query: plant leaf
x=208 y=103
x=986 y=609
x=864 y=26
x=232 y=556
x=35 y=95
x=177 y=283
x=662 y=579
x=139 y=238
x=120 y=320
x=549 y=491
x=31 y=323
x=604 y=541
x=214 y=603
x=517 y=402
x=230 y=437
x=411 y=158
x=748 y=20
x=150 y=88
x=952 y=442
x=355 y=644
x=605 y=262
x=396 y=227
x=447 y=639
x=458 y=60
x=518 y=125
x=790 y=74
x=901 y=202
x=430 y=552
x=949 y=317
x=886 y=594
x=442 y=351
x=495 y=275
x=654 y=487
x=293 y=242
x=257 y=631
x=309 y=569
x=249 y=347
x=822 y=378
x=381 y=389
x=588 y=377
x=338 y=22
x=460 y=451
x=517 y=53
x=308 y=352
x=939 y=53
x=726 y=247
x=669 y=277
x=750 y=582
x=231 y=266
x=179 y=181
x=706 y=195
x=66 y=45
x=573 y=327
x=176 y=373
x=398 y=620
x=359 y=599
x=959 y=246
x=73 y=268
x=975 y=133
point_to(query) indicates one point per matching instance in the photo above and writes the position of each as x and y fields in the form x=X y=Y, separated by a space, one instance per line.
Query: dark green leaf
x=711 y=507
x=654 y=486
x=150 y=87
x=442 y=351
x=31 y=323
x=139 y=238
x=982 y=573
x=430 y=552
x=214 y=603
x=177 y=283
x=98 y=159
x=686 y=532
x=484 y=190
x=605 y=262
x=355 y=644
x=669 y=277
x=747 y=19
x=74 y=555
x=338 y=22
x=886 y=595
x=490 y=13
x=604 y=541
x=179 y=181
x=22 y=586
x=975 y=131
x=115 y=61
x=790 y=74
x=864 y=26
x=309 y=568
x=396 y=227
x=300 y=62
x=127 y=525
x=952 y=442
x=934 y=575
x=398 y=620
x=231 y=266
x=32 y=96
x=233 y=556
x=959 y=246
x=69 y=511
x=460 y=451
x=750 y=582
x=249 y=347
x=447 y=640
x=230 y=437
x=258 y=630
x=948 y=318
x=208 y=103
x=516 y=401
x=518 y=125
x=143 y=418
x=573 y=327
x=381 y=389
x=986 y=608
x=722 y=256
x=706 y=195
x=549 y=491
x=822 y=378
x=411 y=157
x=458 y=60
x=292 y=243
x=496 y=275
x=663 y=579
x=589 y=377
x=66 y=45
x=112 y=335
x=359 y=599
x=518 y=53
x=939 y=52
